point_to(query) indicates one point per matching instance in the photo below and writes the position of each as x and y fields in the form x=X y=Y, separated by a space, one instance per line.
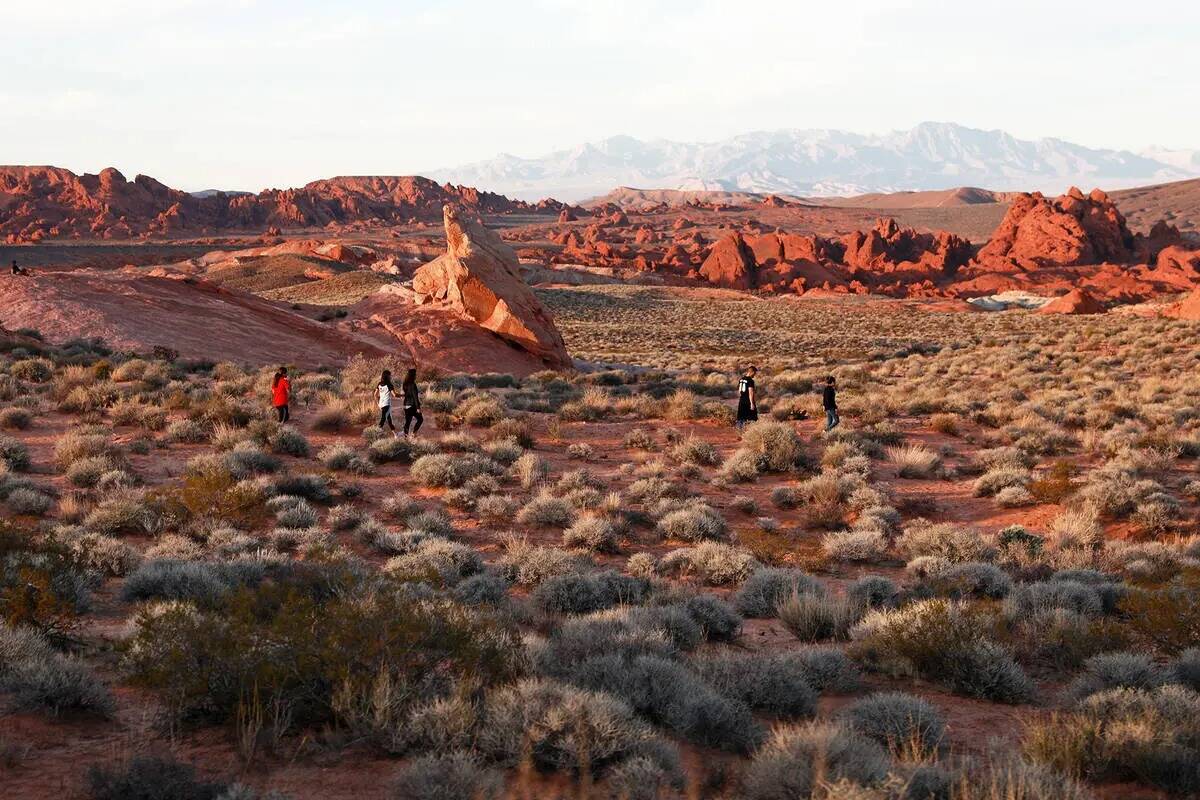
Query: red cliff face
x=45 y=202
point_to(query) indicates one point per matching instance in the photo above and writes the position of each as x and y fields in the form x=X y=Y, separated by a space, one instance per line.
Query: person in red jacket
x=281 y=390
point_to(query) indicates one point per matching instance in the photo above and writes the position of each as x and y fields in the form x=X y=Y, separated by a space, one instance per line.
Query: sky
x=239 y=94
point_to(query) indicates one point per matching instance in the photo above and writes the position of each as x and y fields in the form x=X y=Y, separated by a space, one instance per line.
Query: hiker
x=747 y=410
x=281 y=390
x=829 y=401
x=17 y=270
x=412 y=402
x=383 y=396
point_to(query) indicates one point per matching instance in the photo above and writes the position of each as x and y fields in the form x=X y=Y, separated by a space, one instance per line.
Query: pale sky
x=240 y=94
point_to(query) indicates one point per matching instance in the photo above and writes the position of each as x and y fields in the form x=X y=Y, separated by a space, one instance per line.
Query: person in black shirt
x=15 y=269
x=412 y=402
x=829 y=401
x=747 y=410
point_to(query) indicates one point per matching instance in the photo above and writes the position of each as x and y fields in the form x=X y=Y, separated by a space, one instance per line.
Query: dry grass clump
x=914 y=461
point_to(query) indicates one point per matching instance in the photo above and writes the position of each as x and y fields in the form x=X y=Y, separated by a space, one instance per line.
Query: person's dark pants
x=283 y=413
x=385 y=417
x=412 y=415
x=832 y=420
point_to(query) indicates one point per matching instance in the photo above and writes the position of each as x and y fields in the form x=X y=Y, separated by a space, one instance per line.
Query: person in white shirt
x=383 y=396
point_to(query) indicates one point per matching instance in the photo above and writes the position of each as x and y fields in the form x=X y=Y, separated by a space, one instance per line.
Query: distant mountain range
x=933 y=155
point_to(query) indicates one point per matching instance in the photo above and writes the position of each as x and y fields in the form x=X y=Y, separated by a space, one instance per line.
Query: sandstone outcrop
x=479 y=277
x=48 y=202
x=1076 y=301
x=1071 y=230
x=731 y=264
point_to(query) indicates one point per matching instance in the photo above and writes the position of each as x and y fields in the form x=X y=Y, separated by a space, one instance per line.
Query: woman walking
x=412 y=402
x=383 y=397
x=747 y=410
x=281 y=392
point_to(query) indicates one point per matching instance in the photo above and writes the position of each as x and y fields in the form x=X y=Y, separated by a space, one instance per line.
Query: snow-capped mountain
x=933 y=155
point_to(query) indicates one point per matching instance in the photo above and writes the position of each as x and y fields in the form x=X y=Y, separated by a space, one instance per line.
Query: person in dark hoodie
x=747 y=410
x=829 y=401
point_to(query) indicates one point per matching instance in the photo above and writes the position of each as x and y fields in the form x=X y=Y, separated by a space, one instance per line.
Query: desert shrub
x=546 y=509
x=1014 y=497
x=15 y=419
x=855 y=545
x=694 y=450
x=246 y=460
x=873 y=591
x=796 y=759
x=14 y=454
x=449 y=776
x=581 y=451
x=290 y=442
x=148 y=777
x=785 y=497
x=345 y=517
x=741 y=466
x=944 y=540
x=480 y=411
x=336 y=643
x=999 y=478
x=944 y=641
x=775 y=683
x=1030 y=598
x=38 y=677
x=343 y=457
x=640 y=439
x=667 y=693
x=297 y=515
x=813 y=617
x=450 y=471
x=1118 y=670
x=125 y=512
x=34 y=370
x=715 y=563
x=390 y=449
x=435 y=559
x=560 y=727
x=529 y=565
x=1011 y=778
x=776 y=446
x=692 y=524
x=1125 y=735
x=591 y=532
x=970 y=579
x=762 y=593
x=202 y=583
x=577 y=593
x=530 y=470
x=914 y=461
x=905 y=724
x=483 y=589
x=314 y=488
x=29 y=501
x=186 y=431
x=717 y=619
x=102 y=554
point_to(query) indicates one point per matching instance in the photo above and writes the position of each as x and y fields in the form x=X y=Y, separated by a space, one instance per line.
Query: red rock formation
x=567 y=215
x=731 y=264
x=888 y=246
x=1177 y=266
x=1188 y=308
x=1070 y=230
x=480 y=278
x=49 y=201
x=1076 y=301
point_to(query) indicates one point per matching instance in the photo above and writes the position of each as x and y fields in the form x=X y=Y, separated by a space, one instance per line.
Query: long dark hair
x=410 y=377
x=279 y=373
x=386 y=379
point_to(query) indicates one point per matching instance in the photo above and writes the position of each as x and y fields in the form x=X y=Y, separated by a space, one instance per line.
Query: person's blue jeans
x=831 y=419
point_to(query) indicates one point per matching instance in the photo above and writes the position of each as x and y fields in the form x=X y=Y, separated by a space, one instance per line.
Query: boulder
x=479 y=277
x=1076 y=301
x=731 y=264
